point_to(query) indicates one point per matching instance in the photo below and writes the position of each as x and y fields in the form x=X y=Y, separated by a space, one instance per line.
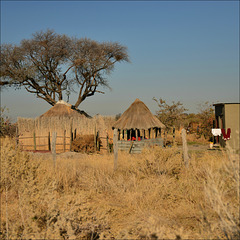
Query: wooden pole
x=107 y=145
x=115 y=147
x=185 y=148
x=98 y=143
x=119 y=133
x=16 y=140
x=95 y=139
x=130 y=149
x=34 y=141
x=173 y=135
x=54 y=139
x=70 y=134
x=49 y=142
x=136 y=134
x=75 y=133
x=165 y=137
x=64 y=141
x=151 y=133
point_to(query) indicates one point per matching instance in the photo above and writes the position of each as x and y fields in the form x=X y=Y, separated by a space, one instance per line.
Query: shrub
x=6 y=127
x=84 y=144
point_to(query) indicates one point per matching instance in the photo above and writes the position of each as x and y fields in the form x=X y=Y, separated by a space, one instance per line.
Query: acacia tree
x=51 y=65
x=171 y=115
x=206 y=116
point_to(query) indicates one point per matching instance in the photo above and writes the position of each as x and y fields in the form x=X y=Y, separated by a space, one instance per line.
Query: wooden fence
x=63 y=143
x=137 y=146
x=44 y=143
x=36 y=134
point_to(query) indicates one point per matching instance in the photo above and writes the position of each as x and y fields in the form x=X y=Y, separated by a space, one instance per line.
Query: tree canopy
x=52 y=65
x=206 y=116
x=171 y=115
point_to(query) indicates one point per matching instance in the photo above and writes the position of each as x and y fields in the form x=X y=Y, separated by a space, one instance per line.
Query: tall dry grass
x=222 y=194
x=150 y=196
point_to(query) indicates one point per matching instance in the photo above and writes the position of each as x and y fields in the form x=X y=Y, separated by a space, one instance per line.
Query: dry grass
x=149 y=196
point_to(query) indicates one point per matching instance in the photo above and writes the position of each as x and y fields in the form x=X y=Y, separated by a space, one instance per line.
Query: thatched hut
x=36 y=134
x=137 y=123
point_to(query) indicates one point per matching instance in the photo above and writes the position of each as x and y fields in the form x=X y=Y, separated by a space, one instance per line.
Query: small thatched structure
x=138 y=122
x=36 y=134
x=138 y=116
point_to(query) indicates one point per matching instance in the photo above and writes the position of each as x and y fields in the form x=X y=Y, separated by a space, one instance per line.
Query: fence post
x=17 y=138
x=107 y=144
x=174 y=136
x=54 y=139
x=64 y=141
x=95 y=139
x=98 y=141
x=75 y=133
x=165 y=138
x=49 y=142
x=71 y=123
x=34 y=141
x=185 y=148
x=115 y=147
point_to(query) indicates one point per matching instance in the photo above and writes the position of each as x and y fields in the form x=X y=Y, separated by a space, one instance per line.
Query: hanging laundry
x=228 y=133
x=226 y=136
x=216 y=132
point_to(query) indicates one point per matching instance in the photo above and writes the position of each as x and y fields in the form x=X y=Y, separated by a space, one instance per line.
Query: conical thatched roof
x=62 y=109
x=138 y=116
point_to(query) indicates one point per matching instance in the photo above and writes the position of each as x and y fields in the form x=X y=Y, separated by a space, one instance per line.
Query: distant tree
x=191 y=118
x=51 y=65
x=206 y=116
x=171 y=115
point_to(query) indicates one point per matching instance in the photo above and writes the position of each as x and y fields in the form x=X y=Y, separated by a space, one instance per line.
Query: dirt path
x=197 y=147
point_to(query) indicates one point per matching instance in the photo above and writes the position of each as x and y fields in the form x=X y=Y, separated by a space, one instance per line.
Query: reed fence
x=36 y=134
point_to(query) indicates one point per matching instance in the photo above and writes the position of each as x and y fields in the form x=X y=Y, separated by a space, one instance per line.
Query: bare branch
x=100 y=92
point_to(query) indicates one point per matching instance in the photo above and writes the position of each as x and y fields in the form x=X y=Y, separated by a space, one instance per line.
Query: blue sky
x=179 y=50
